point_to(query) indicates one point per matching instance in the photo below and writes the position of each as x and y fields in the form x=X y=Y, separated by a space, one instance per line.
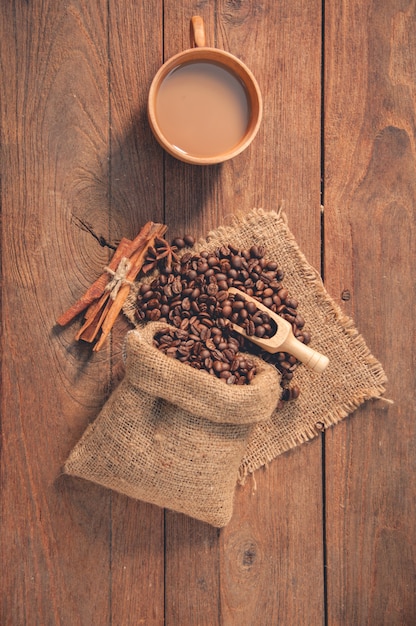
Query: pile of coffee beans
x=209 y=349
x=190 y=292
x=245 y=313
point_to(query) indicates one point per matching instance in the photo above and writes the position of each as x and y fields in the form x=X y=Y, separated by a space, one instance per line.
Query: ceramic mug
x=204 y=104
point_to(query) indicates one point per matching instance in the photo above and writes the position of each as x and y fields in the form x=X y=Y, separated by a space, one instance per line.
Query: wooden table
x=328 y=537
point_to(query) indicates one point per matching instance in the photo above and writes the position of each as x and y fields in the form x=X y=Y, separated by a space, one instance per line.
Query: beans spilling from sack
x=209 y=349
x=190 y=292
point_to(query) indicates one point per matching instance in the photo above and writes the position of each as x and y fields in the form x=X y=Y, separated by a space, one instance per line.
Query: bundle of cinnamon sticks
x=104 y=299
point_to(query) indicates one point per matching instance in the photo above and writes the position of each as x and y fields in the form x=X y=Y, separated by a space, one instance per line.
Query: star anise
x=162 y=255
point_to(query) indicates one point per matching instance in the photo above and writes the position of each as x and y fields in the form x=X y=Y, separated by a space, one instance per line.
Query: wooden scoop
x=283 y=340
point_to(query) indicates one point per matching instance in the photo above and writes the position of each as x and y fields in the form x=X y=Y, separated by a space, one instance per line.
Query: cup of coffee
x=204 y=104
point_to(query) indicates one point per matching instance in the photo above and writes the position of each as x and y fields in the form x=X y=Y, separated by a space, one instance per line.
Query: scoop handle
x=197 y=32
x=311 y=358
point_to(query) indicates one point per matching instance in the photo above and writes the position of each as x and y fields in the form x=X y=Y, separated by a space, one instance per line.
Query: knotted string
x=119 y=277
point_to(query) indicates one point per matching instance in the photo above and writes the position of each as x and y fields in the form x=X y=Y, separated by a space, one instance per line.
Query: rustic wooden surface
x=328 y=537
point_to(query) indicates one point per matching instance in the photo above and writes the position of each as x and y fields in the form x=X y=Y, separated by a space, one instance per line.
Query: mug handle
x=197 y=32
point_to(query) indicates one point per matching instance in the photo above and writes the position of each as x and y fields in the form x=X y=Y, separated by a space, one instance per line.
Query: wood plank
x=271 y=552
x=54 y=117
x=271 y=556
x=370 y=194
x=280 y=42
x=187 y=187
x=136 y=180
x=191 y=549
x=246 y=570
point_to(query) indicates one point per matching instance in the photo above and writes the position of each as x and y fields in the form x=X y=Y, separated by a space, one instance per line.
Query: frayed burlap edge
x=323 y=402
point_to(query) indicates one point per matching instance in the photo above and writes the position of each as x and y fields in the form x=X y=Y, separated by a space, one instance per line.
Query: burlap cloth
x=353 y=376
x=172 y=435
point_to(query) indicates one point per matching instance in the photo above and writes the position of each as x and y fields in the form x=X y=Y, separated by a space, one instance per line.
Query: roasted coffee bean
x=227 y=311
x=291 y=303
x=290 y=393
x=186 y=304
x=212 y=289
x=195 y=307
x=306 y=337
x=256 y=252
x=228 y=354
x=283 y=293
x=178 y=243
x=260 y=331
x=184 y=324
x=244 y=314
x=222 y=296
x=191 y=293
x=205 y=333
x=237 y=306
x=148 y=295
x=217 y=354
x=217 y=366
x=155 y=315
x=251 y=308
x=223 y=251
x=250 y=328
x=189 y=240
x=195 y=292
x=153 y=303
x=271 y=265
x=299 y=321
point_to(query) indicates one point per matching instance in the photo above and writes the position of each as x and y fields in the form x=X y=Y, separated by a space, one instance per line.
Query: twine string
x=119 y=277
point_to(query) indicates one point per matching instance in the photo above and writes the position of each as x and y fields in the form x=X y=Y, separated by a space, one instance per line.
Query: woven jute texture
x=353 y=376
x=172 y=435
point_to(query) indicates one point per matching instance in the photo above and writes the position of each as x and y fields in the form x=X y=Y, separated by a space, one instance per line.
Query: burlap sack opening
x=172 y=435
x=353 y=376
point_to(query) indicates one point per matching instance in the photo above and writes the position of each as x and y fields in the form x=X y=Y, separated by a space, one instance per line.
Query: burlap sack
x=353 y=375
x=172 y=435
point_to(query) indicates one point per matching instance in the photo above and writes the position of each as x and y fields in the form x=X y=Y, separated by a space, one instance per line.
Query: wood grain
x=273 y=546
x=325 y=534
x=249 y=571
x=271 y=553
x=54 y=149
x=370 y=194
x=192 y=581
x=136 y=185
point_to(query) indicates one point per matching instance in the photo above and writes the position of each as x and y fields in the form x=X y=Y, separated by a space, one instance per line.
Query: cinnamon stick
x=137 y=261
x=104 y=299
x=96 y=290
x=126 y=248
x=94 y=318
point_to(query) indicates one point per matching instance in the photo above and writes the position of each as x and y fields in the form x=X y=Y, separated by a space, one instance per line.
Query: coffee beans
x=205 y=348
x=238 y=311
x=190 y=293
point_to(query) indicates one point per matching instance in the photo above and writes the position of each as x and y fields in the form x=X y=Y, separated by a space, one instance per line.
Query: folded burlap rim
x=204 y=396
x=353 y=376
